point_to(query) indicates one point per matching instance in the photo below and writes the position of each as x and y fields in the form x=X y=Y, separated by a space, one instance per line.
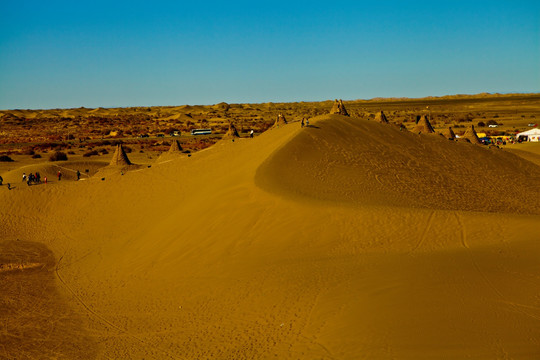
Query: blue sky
x=130 y=53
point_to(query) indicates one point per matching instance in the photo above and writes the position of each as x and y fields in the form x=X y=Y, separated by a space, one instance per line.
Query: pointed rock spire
x=120 y=157
x=280 y=120
x=232 y=132
x=449 y=133
x=423 y=126
x=175 y=147
x=381 y=117
x=339 y=108
x=470 y=134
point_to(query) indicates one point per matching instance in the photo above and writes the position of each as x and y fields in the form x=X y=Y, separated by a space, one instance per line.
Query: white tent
x=532 y=135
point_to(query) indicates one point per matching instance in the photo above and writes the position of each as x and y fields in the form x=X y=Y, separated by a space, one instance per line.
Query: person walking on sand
x=303 y=122
x=251 y=133
x=78 y=175
x=24 y=177
x=45 y=179
x=8 y=186
x=59 y=175
x=1 y=180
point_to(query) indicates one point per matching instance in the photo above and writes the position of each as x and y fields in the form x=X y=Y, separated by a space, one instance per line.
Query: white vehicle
x=201 y=131
x=493 y=125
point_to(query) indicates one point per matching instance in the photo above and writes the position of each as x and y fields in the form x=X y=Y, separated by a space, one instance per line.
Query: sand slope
x=300 y=243
x=365 y=162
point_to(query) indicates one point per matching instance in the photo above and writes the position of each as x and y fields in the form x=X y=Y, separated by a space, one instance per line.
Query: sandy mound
x=423 y=126
x=363 y=162
x=179 y=117
x=119 y=164
x=231 y=133
x=174 y=152
x=223 y=106
x=470 y=135
x=381 y=117
x=338 y=108
x=449 y=133
x=280 y=121
x=175 y=147
x=120 y=157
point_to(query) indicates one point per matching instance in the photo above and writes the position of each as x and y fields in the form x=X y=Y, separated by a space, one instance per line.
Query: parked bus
x=201 y=131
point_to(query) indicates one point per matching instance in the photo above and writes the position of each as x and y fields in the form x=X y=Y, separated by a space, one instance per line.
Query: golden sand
x=348 y=239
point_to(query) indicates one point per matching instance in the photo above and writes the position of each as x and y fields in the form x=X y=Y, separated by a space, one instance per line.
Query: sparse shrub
x=58 y=156
x=36 y=156
x=71 y=152
x=90 y=153
x=127 y=149
x=481 y=124
x=5 y=158
x=103 y=151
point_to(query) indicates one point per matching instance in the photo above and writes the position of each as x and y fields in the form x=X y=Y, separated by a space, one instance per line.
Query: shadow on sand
x=36 y=321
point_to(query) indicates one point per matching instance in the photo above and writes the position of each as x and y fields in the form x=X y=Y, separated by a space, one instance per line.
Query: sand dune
x=367 y=163
x=348 y=239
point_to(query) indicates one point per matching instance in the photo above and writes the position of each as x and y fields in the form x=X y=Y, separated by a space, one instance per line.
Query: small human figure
x=78 y=175
x=303 y=122
x=8 y=186
x=59 y=175
x=1 y=180
x=251 y=133
x=24 y=177
x=38 y=177
x=307 y=122
x=45 y=179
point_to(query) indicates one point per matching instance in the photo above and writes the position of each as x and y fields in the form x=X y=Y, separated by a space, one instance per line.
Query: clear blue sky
x=128 y=53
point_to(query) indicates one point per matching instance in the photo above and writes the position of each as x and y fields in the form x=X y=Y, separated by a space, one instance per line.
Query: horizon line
x=374 y=99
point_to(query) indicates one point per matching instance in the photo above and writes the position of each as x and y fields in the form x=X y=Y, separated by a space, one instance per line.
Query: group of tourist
x=33 y=178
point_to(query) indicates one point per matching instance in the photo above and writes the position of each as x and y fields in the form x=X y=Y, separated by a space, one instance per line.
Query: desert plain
x=348 y=238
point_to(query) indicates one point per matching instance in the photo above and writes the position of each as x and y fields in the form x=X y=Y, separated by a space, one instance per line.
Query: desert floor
x=348 y=239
